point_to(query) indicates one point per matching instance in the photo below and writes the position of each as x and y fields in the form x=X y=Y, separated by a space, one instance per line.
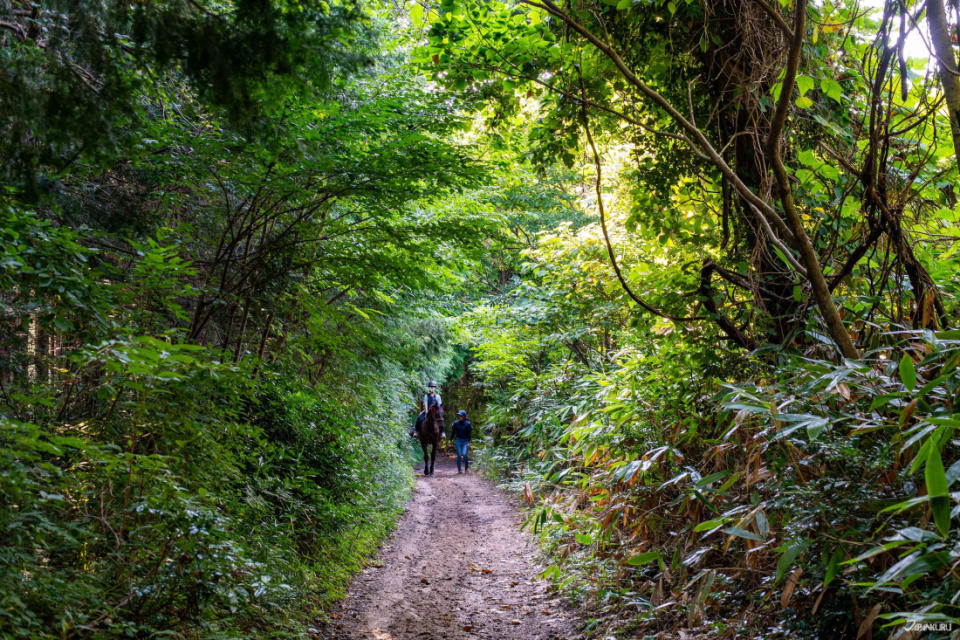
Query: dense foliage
x=730 y=401
x=695 y=261
x=227 y=234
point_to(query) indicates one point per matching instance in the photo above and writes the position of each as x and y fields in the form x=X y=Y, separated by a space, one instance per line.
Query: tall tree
x=79 y=76
x=766 y=122
x=943 y=46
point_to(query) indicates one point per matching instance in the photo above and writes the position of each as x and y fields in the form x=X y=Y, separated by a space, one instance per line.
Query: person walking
x=461 y=439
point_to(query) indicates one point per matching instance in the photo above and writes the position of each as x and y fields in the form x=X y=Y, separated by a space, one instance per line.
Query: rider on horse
x=430 y=430
x=432 y=397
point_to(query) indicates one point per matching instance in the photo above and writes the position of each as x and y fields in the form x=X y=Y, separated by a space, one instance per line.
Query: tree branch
x=814 y=272
x=693 y=131
x=606 y=235
x=773 y=13
x=725 y=324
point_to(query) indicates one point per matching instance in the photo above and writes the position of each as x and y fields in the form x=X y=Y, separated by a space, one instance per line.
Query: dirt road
x=476 y=578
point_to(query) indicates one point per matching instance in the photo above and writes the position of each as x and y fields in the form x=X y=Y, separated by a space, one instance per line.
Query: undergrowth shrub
x=210 y=528
x=150 y=486
x=788 y=497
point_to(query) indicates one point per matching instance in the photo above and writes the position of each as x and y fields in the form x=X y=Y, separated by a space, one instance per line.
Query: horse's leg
x=433 y=456
x=426 y=460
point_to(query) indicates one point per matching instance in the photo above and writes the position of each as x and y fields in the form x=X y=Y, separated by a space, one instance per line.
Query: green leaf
x=804 y=102
x=742 y=533
x=833 y=567
x=896 y=570
x=829 y=171
x=877 y=551
x=831 y=88
x=789 y=556
x=953 y=473
x=775 y=91
x=728 y=483
x=804 y=84
x=551 y=572
x=624 y=4
x=883 y=399
x=937 y=489
x=416 y=14
x=713 y=477
x=913 y=564
x=583 y=538
x=644 y=558
x=815 y=428
x=903 y=505
x=907 y=373
x=951 y=363
x=68 y=441
x=709 y=524
x=934 y=473
x=808 y=158
x=763 y=526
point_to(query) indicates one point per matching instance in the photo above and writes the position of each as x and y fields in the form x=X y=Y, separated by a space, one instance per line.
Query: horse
x=430 y=433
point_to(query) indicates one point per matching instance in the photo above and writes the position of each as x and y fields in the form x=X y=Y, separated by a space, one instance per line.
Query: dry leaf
x=928 y=300
x=843 y=390
x=657 y=597
x=527 y=493
x=866 y=626
x=816 y=605
x=908 y=412
x=789 y=587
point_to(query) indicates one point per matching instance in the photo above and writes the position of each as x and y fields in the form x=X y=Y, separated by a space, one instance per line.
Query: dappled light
x=689 y=266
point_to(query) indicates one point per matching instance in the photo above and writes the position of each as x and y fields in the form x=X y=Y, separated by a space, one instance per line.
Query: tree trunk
x=801 y=241
x=947 y=62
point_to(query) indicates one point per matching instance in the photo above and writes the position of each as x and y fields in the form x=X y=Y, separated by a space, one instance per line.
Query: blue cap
x=461 y=412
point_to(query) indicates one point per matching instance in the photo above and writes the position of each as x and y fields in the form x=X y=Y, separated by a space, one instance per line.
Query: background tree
x=758 y=89
x=229 y=232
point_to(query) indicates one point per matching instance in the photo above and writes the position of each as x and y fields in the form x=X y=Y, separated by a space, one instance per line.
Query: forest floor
x=457 y=567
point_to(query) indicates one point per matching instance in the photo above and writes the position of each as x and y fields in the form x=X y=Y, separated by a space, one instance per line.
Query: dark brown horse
x=430 y=432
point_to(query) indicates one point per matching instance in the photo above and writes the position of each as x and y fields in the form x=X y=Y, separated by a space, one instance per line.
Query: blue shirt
x=462 y=429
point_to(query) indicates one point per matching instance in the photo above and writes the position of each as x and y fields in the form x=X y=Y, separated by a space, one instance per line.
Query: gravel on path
x=457 y=567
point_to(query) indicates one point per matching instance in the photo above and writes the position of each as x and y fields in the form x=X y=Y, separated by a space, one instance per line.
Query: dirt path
x=476 y=579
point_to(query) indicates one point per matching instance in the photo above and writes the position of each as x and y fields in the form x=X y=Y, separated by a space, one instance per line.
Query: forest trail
x=477 y=579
